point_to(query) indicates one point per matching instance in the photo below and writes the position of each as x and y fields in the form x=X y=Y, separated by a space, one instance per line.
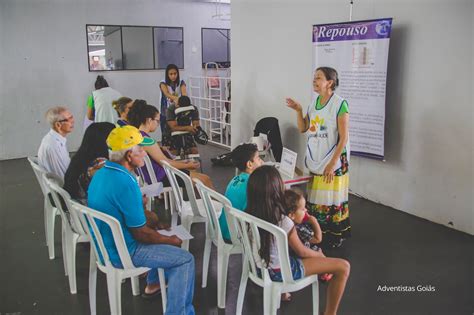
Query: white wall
x=429 y=136
x=43 y=59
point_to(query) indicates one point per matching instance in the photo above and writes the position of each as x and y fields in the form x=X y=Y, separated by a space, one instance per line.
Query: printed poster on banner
x=359 y=52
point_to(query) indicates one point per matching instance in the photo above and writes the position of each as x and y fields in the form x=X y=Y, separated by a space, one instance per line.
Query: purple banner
x=359 y=30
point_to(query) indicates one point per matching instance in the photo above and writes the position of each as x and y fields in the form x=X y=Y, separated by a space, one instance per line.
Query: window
x=116 y=47
x=216 y=46
x=168 y=47
x=137 y=48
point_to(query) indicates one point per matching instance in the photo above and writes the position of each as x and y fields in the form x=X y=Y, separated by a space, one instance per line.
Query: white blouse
x=286 y=224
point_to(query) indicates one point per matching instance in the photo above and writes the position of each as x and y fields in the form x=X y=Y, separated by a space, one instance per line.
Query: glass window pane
x=169 y=47
x=137 y=47
x=216 y=46
x=104 y=47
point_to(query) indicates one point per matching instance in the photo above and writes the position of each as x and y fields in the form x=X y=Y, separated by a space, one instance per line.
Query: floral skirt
x=328 y=202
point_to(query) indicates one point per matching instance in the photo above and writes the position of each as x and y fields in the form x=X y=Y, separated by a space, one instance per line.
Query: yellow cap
x=126 y=137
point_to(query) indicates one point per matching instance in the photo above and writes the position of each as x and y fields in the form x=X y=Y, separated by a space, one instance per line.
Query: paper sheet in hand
x=152 y=190
x=177 y=230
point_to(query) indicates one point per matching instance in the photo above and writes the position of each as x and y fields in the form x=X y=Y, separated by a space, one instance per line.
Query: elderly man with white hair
x=114 y=191
x=52 y=154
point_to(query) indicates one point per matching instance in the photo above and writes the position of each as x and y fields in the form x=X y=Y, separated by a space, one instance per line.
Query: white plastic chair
x=264 y=147
x=50 y=210
x=191 y=211
x=224 y=250
x=247 y=228
x=89 y=218
x=72 y=231
x=166 y=190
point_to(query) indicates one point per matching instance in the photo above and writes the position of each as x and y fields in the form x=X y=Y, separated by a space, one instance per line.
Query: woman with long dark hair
x=147 y=118
x=90 y=157
x=266 y=201
x=171 y=89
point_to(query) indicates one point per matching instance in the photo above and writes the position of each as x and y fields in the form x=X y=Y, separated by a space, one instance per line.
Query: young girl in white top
x=266 y=200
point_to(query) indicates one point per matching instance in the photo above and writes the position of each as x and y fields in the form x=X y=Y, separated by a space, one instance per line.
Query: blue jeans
x=297 y=270
x=179 y=269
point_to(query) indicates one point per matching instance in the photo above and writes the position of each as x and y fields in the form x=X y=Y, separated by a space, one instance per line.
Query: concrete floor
x=388 y=248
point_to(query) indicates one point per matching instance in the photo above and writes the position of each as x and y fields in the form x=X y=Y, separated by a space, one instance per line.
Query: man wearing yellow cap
x=114 y=190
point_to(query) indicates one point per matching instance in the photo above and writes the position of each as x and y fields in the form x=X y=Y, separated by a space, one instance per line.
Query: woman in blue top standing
x=171 y=89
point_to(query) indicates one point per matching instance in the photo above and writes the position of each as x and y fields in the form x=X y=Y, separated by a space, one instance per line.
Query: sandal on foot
x=151 y=295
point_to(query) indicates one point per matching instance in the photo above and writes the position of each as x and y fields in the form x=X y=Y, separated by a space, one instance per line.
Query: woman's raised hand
x=293 y=105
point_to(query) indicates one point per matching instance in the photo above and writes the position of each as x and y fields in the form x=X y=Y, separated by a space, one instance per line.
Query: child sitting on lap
x=307 y=226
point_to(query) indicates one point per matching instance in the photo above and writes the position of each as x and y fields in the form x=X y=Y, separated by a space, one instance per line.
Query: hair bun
x=138 y=103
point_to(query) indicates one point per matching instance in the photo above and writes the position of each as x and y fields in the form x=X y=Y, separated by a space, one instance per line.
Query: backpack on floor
x=222 y=160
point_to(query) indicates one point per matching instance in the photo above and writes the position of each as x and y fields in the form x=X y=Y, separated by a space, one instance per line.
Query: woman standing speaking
x=327 y=156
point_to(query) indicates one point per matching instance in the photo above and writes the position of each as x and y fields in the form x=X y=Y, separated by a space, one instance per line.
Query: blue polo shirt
x=115 y=191
x=236 y=192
